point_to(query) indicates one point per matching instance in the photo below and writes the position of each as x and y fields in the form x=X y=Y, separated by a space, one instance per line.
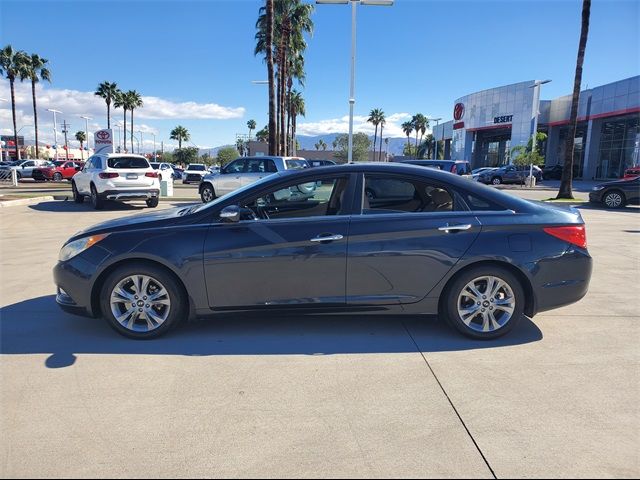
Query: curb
x=25 y=201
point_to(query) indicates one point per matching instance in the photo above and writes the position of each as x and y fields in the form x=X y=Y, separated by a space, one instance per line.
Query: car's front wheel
x=496 y=180
x=96 y=201
x=153 y=202
x=484 y=303
x=142 y=301
x=207 y=194
x=57 y=177
x=614 y=199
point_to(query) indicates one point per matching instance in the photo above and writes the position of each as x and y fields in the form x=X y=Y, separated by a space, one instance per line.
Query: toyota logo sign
x=458 y=111
x=103 y=135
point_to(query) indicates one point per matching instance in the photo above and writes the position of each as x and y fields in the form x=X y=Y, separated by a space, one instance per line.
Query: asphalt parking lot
x=336 y=396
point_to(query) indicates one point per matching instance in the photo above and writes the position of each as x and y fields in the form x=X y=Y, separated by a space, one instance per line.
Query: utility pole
x=65 y=130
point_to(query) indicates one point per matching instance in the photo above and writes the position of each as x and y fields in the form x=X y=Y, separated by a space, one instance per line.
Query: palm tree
x=374 y=118
x=566 y=187
x=407 y=128
x=35 y=70
x=420 y=124
x=263 y=135
x=134 y=101
x=109 y=92
x=251 y=125
x=240 y=146
x=386 y=143
x=81 y=137
x=297 y=108
x=180 y=134
x=323 y=145
x=264 y=44
x=122 y=101
x=317 y=145
x=383 y=121
x=13 y=64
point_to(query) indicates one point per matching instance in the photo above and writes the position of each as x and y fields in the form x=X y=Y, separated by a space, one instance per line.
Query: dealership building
x=488 y=124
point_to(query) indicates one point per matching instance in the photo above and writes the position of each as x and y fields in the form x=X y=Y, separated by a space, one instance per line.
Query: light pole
x=534 y=121
x=435 y=149
x=119 y=125
x=86 y=130
x=352 y=95
x=55 y=129
x=155 y=155
x=141 y=142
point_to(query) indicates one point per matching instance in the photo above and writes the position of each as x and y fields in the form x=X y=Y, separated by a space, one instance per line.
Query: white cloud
x=392 y=126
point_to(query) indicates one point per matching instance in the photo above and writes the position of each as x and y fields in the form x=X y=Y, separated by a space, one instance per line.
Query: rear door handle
x=455 y=228
x=328 y=238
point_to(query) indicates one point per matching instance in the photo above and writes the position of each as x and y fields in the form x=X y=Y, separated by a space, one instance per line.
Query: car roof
x=118 y=155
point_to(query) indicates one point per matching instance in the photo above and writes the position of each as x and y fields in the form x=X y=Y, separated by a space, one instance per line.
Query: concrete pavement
x=316 y=396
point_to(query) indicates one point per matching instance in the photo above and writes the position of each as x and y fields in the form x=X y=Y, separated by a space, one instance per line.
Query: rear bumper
x=123 y=195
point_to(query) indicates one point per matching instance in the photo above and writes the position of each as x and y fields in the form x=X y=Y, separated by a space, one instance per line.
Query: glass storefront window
x=619 y=147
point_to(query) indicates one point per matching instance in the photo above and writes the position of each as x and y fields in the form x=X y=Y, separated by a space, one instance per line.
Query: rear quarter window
x=296 y=164
x=127 y=162
x=480 y=204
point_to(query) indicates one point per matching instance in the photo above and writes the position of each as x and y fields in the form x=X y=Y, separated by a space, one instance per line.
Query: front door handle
x=327 y=238
x=455 y=228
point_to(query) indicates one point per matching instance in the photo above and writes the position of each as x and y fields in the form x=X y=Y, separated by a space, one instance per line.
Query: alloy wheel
x=486 y=304
x=207 y=194
x=613 y=200
x=140 y=303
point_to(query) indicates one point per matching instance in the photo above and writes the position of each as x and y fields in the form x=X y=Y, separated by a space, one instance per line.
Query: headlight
x=72 y=249
x=598 y=187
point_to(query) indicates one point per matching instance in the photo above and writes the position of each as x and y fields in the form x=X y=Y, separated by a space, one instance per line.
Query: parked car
x=618 y=193
x=57 y=171
x=165 y=170
x=320 y=163
x=177 y=172
x=246 y=170
x=554 y=172
x=24 y=168
x=459 y=167
x=477 y=171
x=116 y=176
x=509 y=174
x=632 y=172
x=478 y=257
x=194 y=173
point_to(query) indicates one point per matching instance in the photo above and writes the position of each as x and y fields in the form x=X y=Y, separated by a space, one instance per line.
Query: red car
x=58 y=171
x=632 y=172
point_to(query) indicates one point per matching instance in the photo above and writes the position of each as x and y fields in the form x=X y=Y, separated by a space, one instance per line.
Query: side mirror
x=230 y=214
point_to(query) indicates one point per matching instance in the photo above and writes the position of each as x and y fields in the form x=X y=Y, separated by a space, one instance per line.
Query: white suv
x=116 y=176
x=246 y=170
x=194 y=173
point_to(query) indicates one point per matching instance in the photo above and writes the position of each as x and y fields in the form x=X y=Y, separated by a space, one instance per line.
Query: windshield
x=55 y=164
x=240 y=191
x=155 y=166
x=197 y=168
x=127 y=162
x=296 y=164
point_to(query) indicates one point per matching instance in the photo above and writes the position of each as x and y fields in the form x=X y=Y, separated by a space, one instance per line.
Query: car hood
x=622 y=181
x=156 y=219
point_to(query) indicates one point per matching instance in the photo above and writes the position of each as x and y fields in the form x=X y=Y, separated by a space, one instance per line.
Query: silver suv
x=24 y=168
x=246 y=170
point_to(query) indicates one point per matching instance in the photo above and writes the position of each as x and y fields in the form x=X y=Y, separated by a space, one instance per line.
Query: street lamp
x=141 y=143
x=536 y=112
x=352 y=97
x=119 y=125
x=86 y=129
x=155 y=156
x=435 y=150
x=55 y=129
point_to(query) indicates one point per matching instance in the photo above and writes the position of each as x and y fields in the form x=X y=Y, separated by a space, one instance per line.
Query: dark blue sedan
x=426 y=243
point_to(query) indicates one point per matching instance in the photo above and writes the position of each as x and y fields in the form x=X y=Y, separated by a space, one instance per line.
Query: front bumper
x=595 y=196
x=74 y=283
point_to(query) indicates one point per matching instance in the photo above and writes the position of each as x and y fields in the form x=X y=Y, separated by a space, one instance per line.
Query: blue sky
x=193 y=60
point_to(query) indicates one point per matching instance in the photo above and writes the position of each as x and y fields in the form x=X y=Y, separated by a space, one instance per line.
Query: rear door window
x=127 y=162
x=237 y=166
x=384 y=194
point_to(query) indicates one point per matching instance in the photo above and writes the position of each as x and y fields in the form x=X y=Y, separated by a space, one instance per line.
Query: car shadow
x=71 y=206
x=38 y=326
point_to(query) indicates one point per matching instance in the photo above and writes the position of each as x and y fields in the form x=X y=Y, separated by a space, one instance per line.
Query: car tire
x=207 y=194
x=153 y=202
x=480 y=322
x=614 y=199
x=151 y=319
x=96 y=201
x=496 y=181
x=77 y=196
x=57 y=177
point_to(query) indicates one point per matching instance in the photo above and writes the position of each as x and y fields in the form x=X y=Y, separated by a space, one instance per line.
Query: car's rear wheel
x=614 y=199
x=207 y=194
x=496 y=180
x=484 y=303
x=57 y=177
x=77 y=196
x=142 y=301
x=153 y=202
x=96 y=201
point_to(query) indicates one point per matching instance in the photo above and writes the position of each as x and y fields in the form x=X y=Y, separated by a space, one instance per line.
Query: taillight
x=576 y=235
x=151 y=174
x=108 y=175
